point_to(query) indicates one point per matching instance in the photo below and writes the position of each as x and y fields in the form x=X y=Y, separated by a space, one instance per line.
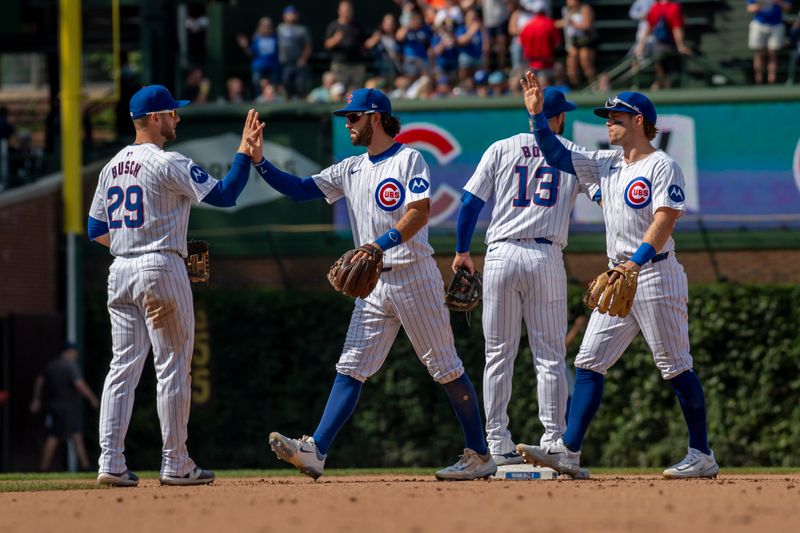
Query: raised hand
x=252 y=141
x=532 y=93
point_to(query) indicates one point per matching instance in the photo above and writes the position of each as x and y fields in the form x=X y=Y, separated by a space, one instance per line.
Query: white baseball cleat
x=470 y=466
x=695 y=464
x=125 y=479
x=510 y=458
x=555 y=456
x=302 y=453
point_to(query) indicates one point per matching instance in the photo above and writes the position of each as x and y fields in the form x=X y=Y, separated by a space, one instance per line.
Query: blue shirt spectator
x=263 y=48
x=445 y=50
x=770 y=13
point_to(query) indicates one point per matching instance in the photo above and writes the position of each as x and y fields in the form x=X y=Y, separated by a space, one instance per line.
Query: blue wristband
x=643 y=254
x=389 y=240
x=540 y=122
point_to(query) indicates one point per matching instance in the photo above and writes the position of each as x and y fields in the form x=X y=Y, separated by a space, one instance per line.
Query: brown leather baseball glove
x=357 y=278
x=197 y=261
x=612 y=291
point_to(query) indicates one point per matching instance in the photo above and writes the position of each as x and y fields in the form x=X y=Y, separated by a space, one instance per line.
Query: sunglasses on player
x=354 y=117
x=613 y=102
x=171 y=112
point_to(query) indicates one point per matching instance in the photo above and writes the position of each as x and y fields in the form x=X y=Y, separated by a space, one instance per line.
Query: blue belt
x=540 y=240
x=655 y=259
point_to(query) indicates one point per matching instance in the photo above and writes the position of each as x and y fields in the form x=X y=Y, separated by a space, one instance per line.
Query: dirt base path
x=417 y=504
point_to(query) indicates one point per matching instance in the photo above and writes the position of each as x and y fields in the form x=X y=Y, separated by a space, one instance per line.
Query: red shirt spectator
x=671 y=12
x=539 y=39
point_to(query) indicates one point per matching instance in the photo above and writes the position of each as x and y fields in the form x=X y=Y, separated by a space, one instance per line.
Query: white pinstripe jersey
x=377 y=191
x=145 y=194
x=531 y=199
x=631 y=195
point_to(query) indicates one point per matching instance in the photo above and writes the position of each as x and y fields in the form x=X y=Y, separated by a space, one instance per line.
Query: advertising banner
x=741 y=161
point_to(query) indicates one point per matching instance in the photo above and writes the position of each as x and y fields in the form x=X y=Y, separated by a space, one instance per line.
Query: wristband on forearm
x=643 y=254
x=390 y=239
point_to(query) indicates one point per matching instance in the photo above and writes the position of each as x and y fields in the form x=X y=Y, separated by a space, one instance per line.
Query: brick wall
x=29 y=259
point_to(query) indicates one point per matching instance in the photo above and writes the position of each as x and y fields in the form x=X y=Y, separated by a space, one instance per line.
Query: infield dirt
x=416 y=504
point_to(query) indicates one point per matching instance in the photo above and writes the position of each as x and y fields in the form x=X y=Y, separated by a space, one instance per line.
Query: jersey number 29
x=134 y=204
x=547 y=182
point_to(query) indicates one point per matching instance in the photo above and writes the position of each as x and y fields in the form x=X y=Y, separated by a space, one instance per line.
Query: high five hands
x=532 y=92
x=252 y=138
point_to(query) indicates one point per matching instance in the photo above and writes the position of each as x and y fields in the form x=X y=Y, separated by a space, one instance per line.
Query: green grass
x=32 y=482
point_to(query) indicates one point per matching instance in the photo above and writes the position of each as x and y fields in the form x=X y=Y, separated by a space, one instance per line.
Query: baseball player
x=141 y=212
x=387 y=191
x=524 y=277
x=643 y=196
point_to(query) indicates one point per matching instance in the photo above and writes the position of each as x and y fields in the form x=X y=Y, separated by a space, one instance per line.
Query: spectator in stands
x=415 y=38
x=497 y=83
x=449 y=11
x=234 y=91
x=444 y=88
x=57 y=392
x=263 y=48
x=539 y=39
x=269 y=93
x=196 y=87
x=473 y=44
x=578 y=24
x=385 y=48
x=496 y=18
x=338 y=91
x=665 y=23
x=638 y=11
x=520 y=17
x=766 y=35
x=401 y=85
x=445 y=50
x=322 y=94
x=344 y=40
x=294 y=50
x=6 y=128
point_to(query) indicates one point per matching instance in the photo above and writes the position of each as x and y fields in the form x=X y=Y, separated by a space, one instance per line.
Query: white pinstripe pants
x=524 y=280
x=149 y=302
x=659 y=312
x=411 y=296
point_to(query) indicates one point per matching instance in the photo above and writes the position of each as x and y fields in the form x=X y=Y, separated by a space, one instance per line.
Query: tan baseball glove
x=357 y=278
x=612 y=291
x=197 y=261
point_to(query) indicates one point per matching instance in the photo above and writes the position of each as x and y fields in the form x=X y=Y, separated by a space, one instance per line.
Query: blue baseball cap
x=153 y=98
x=289 y=9
x=629 y=102
x=556 y=103
x=69 y=345
x=366 y=100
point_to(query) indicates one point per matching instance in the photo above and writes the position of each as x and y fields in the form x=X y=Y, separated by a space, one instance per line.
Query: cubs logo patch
x=418 y=185
x=390 y=194
x=676 y=194
x=198 y=174
x=638 y=193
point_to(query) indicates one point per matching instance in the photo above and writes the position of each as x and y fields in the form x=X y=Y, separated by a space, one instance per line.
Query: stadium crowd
x=446 y=48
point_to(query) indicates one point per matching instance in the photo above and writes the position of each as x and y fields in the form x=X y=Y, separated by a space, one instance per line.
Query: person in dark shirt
x=344 y=41
x=57 y=389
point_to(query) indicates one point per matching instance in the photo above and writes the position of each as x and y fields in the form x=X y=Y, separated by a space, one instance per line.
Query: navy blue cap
x=69 y=345
x=556 y=103
x=366 y=100
x=629 y=102
x=153 y=98
x=289 y=9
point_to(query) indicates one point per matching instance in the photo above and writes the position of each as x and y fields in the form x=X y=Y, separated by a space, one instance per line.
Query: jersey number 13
x=547 y=182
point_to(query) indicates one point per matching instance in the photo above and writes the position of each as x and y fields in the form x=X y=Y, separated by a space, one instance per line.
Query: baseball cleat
x=470 y=466
x=696 y=464
x=555 y=456
x=510 y=458
x=302 y=453
x=198 y=476
x=125 y=479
